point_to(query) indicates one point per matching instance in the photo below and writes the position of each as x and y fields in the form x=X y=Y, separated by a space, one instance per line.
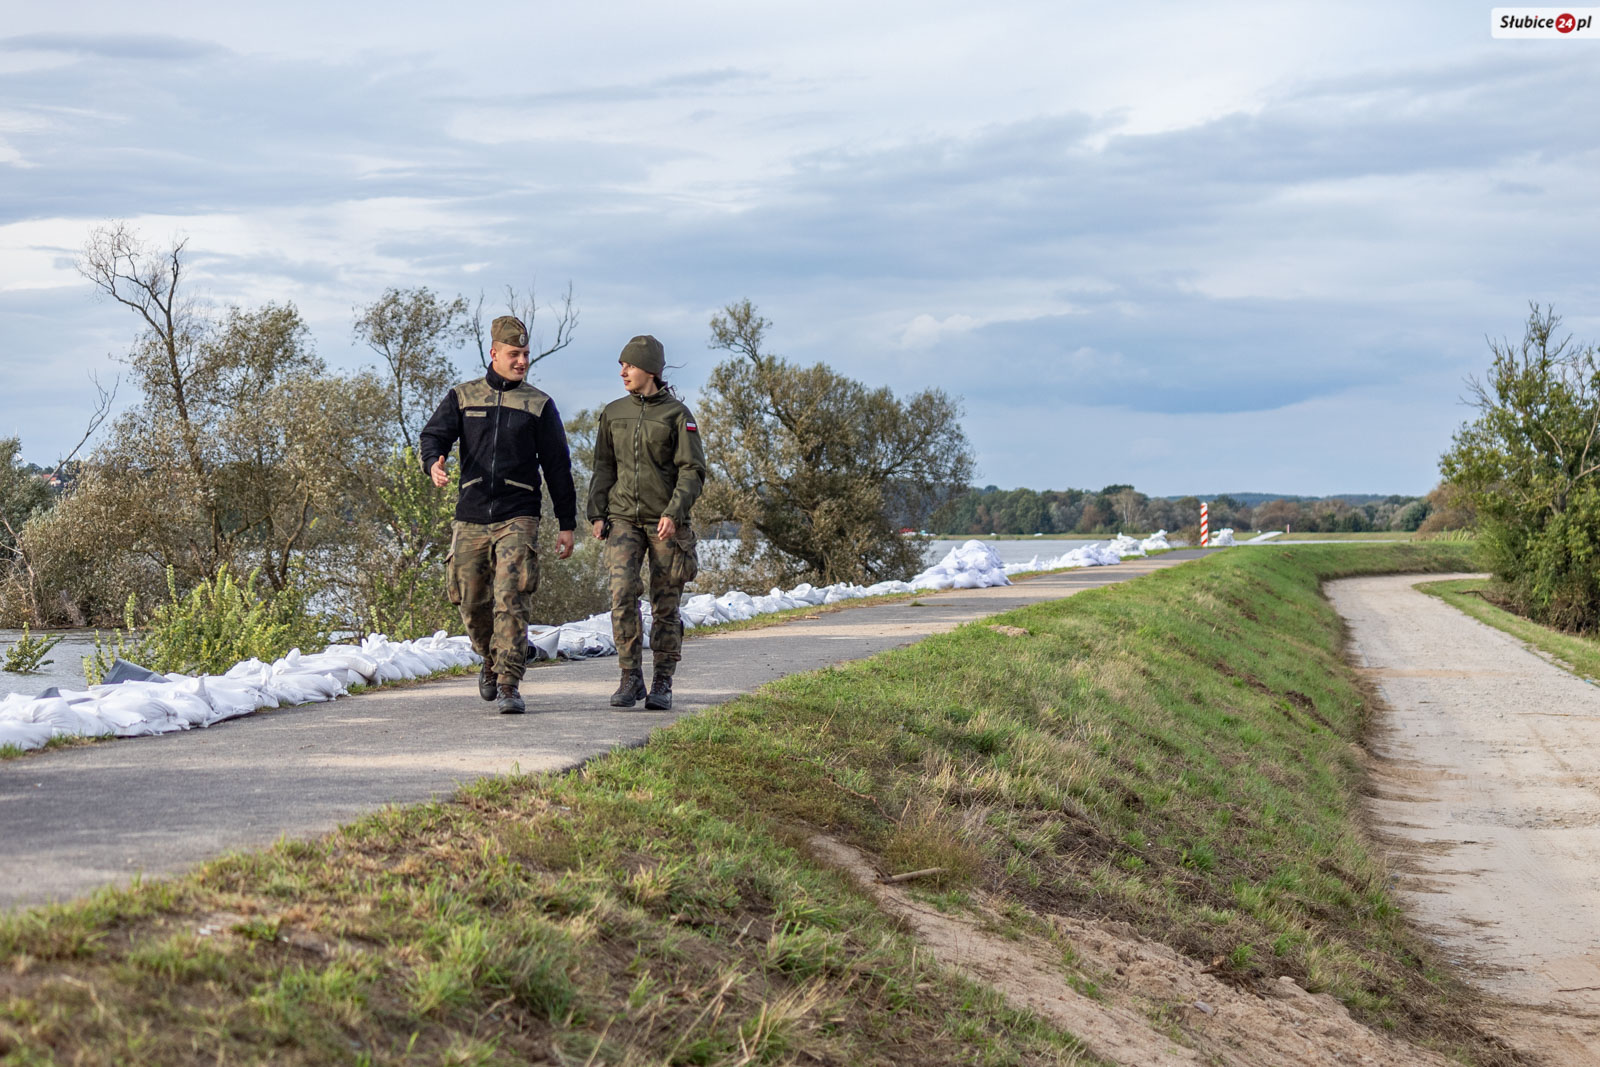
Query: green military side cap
x=508 y=330
x=646 y=353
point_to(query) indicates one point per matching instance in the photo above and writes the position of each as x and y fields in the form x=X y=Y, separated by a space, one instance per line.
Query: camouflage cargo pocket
x=528 y=576
x=685 y=558
x=452 y=580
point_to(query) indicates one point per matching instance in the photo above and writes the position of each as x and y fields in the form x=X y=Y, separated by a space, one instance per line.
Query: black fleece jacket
x=508 y=431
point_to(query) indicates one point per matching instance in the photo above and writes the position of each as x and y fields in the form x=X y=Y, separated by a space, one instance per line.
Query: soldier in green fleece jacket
x=649 y=467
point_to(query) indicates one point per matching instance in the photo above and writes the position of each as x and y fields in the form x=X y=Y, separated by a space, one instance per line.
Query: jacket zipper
x=494 y=451
x=638 y=434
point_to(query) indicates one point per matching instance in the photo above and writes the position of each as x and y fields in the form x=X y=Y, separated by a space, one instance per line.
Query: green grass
x=1365 y=535
x=963 y=538
x=1175 y=752
x=9 y=751
x=1578 y=653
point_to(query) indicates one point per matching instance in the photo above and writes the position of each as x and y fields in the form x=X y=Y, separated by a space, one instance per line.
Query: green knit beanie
x=646 y=353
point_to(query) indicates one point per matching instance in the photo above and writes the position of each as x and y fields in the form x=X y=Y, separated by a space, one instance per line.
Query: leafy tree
x=1448 y=511
x=275 y=439
x=1528 y=464
x=1129 y=505
x=244 y=454
x=802 y=455
x=22 y=492
x=241 y=452
x=1412 y=515
x=1281 y=515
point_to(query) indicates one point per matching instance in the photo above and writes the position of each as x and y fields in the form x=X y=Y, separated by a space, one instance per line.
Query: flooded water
x=65 y=670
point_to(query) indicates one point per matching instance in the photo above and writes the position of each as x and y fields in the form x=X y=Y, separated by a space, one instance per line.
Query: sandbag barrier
x=134 y=702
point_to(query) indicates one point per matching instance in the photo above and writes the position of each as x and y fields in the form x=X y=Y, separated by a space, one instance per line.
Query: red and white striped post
x=1205 y=525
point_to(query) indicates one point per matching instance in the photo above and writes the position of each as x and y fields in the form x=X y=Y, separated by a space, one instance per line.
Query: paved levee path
x=72 y=820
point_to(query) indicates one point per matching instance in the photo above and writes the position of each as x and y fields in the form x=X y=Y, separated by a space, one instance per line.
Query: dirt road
x=1488 y=787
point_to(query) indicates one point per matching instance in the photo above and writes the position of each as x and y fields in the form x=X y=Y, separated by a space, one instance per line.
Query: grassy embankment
x=1365 y=535
x=1578 y=653
x=1175 y=752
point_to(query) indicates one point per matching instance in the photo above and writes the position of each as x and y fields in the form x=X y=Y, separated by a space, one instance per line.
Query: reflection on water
x=65 y=670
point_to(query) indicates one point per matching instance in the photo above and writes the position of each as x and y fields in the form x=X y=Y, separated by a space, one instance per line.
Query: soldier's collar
x=497 y=382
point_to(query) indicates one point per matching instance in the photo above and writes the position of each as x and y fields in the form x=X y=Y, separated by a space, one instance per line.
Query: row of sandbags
x=136 y=702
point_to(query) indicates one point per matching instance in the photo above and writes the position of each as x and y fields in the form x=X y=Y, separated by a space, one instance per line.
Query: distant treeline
x=1122 y=508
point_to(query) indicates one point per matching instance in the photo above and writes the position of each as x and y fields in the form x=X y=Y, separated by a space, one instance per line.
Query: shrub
x=1529 y=465
x=219 y=623
x=27 y=654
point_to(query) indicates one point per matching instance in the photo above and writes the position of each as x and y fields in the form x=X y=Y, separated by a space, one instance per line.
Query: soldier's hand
x=437 y=473
x=599 y=528
x=563 y=544
x=665 y=528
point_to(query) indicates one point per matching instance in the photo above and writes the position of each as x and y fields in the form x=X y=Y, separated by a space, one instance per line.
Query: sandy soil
x=1487 y=789
x=1153 y=1008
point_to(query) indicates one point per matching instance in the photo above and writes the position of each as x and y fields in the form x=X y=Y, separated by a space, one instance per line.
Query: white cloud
x=1159 y=211
x=925 y=331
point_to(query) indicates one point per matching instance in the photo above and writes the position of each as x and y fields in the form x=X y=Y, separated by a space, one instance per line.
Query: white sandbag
x=131 y=713
x=546 y=641
x=1125 y=546
x=24 y=735
x=302 y=687
x=738 y=606
x=700 y=610
x=807 y=594
x=970 y=565
x=64 y=717
x=232 y=697
x=349 y=657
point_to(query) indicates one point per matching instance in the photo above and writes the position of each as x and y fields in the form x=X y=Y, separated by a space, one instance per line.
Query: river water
x=66 y=670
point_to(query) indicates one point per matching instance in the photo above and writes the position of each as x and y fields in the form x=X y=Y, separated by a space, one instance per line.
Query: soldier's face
x=509 y=361
x=636 y=381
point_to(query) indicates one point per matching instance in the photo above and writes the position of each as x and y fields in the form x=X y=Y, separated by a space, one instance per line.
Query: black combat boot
x=509 y=701
x=660 y=698
x=631 y=691
x=486 y=682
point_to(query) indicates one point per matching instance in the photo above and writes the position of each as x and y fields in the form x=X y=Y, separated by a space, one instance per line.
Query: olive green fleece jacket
x=648 y=461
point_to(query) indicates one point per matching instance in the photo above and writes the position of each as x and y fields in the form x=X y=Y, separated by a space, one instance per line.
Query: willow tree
x=816 y=465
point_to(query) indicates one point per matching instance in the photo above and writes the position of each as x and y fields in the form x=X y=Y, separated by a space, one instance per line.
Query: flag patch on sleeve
x=690 y=427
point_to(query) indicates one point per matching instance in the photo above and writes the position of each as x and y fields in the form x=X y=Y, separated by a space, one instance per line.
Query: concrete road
x=75 y=819
x=1485 y=791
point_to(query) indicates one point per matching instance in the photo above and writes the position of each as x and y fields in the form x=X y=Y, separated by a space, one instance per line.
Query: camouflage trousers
x=672 y=563
x=492 y=574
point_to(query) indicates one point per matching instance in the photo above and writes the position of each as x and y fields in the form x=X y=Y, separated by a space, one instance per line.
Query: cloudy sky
x=1195 y=247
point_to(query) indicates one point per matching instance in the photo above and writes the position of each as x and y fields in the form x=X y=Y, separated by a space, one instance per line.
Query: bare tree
x=118 y=263
x=415 y=331
x=102 y=408
x=526 y=308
